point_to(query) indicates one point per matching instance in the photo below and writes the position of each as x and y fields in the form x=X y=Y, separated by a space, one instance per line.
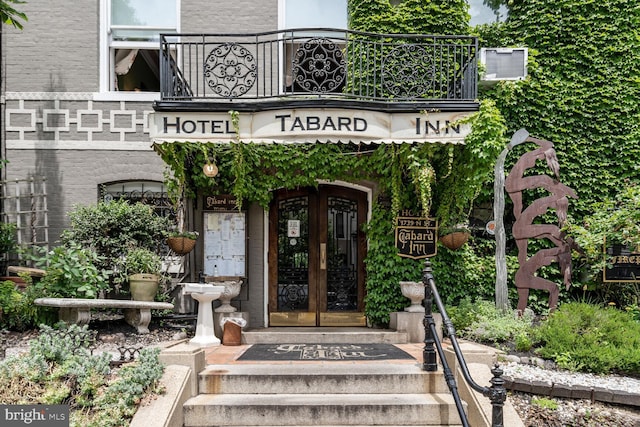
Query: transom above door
x=316 y=253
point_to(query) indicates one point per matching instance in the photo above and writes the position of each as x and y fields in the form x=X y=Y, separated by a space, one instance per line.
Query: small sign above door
x=416 y=237
x=220 y=203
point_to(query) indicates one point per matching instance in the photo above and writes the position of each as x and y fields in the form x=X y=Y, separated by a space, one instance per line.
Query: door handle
x=323 y=256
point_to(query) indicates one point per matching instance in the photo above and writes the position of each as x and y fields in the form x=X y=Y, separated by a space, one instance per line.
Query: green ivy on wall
x=582 y=92
x=583 y=89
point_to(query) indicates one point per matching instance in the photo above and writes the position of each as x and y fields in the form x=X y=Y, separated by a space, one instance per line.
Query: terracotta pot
x=143 y=287
x=181 y=245
x=455 y=240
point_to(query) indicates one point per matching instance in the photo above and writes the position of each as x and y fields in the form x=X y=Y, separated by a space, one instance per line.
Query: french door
x=316 y=252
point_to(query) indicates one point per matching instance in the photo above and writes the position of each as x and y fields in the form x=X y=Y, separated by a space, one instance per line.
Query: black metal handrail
x=318 y=62
x=496 y=393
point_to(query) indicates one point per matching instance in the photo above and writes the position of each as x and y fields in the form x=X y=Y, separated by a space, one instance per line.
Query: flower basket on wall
x=455 y=240
x=181 y=245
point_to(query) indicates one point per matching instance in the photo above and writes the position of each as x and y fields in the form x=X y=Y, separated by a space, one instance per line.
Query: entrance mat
x=324 y=352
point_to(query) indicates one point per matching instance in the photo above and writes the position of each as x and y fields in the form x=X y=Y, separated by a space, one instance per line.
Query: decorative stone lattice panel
x=50 y=120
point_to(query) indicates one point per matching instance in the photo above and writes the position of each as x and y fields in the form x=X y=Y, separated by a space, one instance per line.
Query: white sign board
x=322 y=125
x=224 y=244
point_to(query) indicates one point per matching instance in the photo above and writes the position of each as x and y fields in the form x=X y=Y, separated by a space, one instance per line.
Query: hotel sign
x=416 y=237
x=309 y=125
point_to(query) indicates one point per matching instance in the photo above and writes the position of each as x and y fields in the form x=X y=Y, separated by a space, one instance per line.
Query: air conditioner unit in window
x=503 y=64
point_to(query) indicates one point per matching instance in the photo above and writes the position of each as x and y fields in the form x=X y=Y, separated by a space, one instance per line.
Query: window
x=132 y=29
x=313 y=61
x=150 y=193
x=487 y=12
x=314 y=14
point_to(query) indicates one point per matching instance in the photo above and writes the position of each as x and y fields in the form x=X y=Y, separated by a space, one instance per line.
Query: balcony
x=317 y=67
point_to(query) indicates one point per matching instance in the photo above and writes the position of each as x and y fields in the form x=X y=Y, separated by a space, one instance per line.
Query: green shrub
x=60 y=368
x=481 y=321
x=7 y=237
x=581 y=336
x=18 y=312
x=112 y=228
x=72 y=272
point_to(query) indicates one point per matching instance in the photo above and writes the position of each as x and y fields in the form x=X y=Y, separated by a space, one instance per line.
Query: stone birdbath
x=204 y=293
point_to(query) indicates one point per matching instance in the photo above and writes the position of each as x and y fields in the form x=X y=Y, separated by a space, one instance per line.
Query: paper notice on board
x=212 y=223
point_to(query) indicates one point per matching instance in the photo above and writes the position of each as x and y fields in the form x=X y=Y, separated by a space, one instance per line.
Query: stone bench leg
x=139 y=318
x=78 y=315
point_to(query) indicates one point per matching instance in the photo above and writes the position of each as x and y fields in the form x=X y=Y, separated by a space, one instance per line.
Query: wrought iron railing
x=318 y=62
x=496 y=393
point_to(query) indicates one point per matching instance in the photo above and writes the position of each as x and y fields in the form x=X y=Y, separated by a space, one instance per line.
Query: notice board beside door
x=225 y=244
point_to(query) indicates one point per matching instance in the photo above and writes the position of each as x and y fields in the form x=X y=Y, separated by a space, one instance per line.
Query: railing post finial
x=497 y=395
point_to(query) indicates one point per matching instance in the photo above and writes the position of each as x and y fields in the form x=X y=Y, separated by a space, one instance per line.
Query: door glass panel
x=342 y=248
x=293 y=254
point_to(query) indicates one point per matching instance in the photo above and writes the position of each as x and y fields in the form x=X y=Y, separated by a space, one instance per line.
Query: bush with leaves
x=17 y=310
x=7 y=237
x=481 y=321
x=111 y=229
x=587 y=337
x=71 y=272
x=60 y=367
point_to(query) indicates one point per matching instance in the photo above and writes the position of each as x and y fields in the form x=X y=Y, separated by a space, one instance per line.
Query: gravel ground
x=535 y=411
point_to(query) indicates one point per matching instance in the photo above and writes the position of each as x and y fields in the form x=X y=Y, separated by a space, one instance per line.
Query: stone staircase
x=320 y=393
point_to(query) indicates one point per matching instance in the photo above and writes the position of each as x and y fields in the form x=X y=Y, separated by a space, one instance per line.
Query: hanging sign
x=416 y=237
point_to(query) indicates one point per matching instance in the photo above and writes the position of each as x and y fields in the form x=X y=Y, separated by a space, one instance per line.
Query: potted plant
x=454 y=236
x=142 y=269
x=182 y=242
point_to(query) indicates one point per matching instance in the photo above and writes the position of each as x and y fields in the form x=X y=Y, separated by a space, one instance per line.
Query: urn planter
x=415 y=292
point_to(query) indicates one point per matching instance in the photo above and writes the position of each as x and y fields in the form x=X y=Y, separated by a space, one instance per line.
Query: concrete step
x=300 y=335
x=327 y=378
x=288 y=409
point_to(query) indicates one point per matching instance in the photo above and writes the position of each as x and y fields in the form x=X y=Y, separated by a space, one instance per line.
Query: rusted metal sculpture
x=524 y=227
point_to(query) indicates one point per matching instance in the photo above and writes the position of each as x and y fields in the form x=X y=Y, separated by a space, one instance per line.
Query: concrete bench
x=78 y=310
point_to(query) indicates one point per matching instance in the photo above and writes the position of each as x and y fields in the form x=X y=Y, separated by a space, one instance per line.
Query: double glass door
x=316 y=252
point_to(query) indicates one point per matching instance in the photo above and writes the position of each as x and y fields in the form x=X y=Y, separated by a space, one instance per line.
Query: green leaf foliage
x=583 y=94
x=587 y=337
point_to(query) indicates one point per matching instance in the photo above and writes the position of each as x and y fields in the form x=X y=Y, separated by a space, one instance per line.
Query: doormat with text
x=266 y=352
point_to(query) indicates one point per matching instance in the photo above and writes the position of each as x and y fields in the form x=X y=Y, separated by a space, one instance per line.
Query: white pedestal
x=205 y=334
x=412 y=324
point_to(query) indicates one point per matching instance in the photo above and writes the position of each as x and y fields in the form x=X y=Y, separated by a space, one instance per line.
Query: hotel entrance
x=316 y=257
